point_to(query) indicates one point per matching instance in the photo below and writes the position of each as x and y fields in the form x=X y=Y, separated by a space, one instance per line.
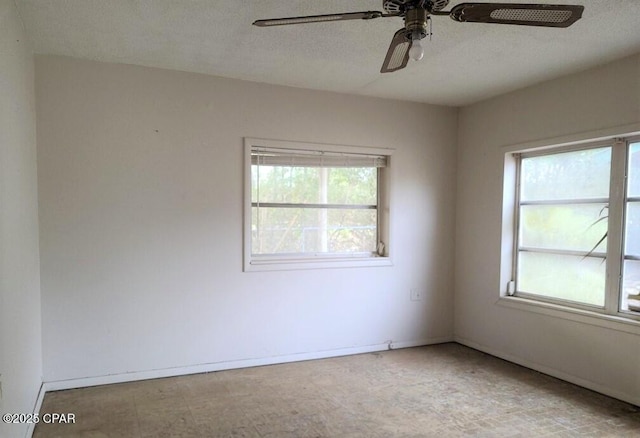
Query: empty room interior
x=219 y=220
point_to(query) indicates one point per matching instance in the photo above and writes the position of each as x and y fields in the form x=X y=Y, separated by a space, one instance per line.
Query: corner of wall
x=20 y=314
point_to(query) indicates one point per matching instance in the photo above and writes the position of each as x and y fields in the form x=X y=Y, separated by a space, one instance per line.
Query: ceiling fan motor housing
x=437 y=5
x=401 y=7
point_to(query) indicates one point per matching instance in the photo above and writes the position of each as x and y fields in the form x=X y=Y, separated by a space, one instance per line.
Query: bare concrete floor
x=438 y=391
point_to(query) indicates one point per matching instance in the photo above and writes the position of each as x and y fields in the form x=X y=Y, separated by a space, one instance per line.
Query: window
x=577 y=239
x=631 y=267
x=314 y=205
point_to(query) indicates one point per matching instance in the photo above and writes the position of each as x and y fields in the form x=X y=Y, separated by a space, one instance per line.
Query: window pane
x=634 y=170
x=285 y=184
x=306 y=230
x=630 y=299
x=565 y=277
x=353 y=186
x=632 y=235
x=569 y=175
x=314 y=185
x=576 y=227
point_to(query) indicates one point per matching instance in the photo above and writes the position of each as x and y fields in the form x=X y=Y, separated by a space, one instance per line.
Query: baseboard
x=421 y=343
x=36 y=410
x=629 y=398
x=58 y=385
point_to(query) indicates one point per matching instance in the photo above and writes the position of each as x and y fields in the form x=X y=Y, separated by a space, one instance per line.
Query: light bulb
x=416 y=52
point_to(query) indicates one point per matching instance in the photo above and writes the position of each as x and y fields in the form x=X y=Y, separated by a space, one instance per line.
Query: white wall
x=140 y=189
x=606 y=99
x=20 y=330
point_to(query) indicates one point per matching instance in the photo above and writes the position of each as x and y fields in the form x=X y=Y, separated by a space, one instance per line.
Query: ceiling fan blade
x=367 y=15
x=524 y=14
x=398 y=53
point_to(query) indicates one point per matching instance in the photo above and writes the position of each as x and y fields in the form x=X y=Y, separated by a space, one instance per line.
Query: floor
x=439 y=391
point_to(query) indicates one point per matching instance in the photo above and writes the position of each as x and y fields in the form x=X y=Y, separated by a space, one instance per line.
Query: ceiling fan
x=406 y=42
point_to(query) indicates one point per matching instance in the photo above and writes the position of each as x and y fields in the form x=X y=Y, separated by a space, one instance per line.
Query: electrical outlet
x=416 y=295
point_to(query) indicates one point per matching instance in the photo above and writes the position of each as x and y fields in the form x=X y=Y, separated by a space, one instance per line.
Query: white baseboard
x=58 y=385
x=421 y=343
x=36 y=410
x=629 y=398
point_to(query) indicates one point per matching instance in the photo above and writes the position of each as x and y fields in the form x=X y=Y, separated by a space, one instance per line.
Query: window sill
x=319 y=263
x=611 y=322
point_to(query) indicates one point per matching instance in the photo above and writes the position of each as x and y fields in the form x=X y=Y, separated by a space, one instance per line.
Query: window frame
x=615 y=255
x=273 y=262
x=626 y=201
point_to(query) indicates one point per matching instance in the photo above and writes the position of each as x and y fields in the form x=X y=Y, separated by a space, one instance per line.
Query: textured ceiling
x=463 y=63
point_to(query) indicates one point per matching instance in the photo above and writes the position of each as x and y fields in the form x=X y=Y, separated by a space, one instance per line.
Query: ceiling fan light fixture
x=416 y=25
x=416 y=52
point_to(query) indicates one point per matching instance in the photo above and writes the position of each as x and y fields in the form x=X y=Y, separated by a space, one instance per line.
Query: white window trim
x=619 y=322
x=282 y=262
